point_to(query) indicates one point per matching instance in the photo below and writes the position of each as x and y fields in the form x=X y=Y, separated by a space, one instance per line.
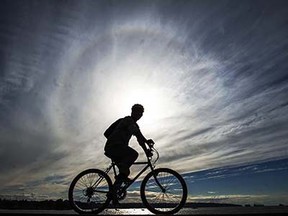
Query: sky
x=212 y=76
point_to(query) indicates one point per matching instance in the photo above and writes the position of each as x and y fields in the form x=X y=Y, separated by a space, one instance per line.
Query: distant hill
x=64 y=205
x=27 y=204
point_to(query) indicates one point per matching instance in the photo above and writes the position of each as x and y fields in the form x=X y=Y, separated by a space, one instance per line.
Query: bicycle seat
x=113 y=159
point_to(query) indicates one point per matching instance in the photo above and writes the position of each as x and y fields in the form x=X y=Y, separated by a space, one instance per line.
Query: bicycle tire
x=155 y=200
x=83 y=196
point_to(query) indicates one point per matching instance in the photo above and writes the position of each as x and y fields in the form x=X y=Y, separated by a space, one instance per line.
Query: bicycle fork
x=158 y=183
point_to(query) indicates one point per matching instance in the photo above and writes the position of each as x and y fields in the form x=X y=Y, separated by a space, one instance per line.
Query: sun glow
x=155 y=102
x=139 y=80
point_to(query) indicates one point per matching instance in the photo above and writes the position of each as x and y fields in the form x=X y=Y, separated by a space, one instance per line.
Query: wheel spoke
x=88 y=191
x=169 y=200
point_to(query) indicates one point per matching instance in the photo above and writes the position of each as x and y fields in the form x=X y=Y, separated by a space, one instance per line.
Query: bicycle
x=163 y=190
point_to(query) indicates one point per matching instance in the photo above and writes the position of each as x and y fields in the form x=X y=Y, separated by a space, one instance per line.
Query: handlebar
x=152 y=149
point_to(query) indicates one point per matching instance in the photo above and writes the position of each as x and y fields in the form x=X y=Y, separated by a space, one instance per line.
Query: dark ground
x=263 y=210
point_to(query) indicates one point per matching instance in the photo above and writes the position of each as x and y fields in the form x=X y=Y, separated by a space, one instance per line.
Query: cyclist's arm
x=142 y=140
x=135 y=130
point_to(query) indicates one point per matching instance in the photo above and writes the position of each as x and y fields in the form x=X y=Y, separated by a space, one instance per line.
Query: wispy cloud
x=231 y=198
x=214 y=90
x=261 y=183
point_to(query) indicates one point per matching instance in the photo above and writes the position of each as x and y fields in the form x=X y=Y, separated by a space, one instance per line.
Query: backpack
x=111 y=128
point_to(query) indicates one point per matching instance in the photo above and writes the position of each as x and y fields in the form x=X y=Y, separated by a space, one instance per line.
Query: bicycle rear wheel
x=163 y=191
x=89 y=191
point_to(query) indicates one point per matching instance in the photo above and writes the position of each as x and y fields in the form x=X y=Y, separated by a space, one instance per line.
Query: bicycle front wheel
x=89 y=191
x=163 y=191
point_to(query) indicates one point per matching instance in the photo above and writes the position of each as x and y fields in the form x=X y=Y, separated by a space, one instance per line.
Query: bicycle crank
x=121 y=194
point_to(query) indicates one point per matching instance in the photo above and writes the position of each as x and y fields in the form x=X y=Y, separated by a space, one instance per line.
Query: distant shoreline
x=65 y=205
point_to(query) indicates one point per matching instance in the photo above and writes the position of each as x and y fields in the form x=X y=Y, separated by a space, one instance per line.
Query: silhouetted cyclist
x=117 y=145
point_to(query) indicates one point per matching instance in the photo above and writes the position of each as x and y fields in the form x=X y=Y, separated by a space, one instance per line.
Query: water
x=206 y=211
x=274 y=210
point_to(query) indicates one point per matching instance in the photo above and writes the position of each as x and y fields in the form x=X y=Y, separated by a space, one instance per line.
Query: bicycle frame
x=92 y=190
x=148 y=164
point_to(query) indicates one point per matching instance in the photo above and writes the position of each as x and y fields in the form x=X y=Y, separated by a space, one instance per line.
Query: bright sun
x=153 y=101
x=137 y=81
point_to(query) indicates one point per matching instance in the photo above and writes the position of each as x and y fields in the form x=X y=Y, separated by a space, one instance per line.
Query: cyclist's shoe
x=113 y=197
x=115 y=202
x=109 y=195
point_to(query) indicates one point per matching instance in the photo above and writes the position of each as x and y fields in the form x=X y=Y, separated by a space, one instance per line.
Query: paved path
x=186 y=211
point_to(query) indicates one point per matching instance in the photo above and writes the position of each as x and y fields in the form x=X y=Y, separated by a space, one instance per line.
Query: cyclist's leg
x=124 y=157
x=129 y=156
